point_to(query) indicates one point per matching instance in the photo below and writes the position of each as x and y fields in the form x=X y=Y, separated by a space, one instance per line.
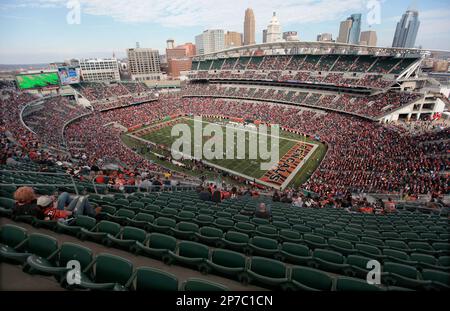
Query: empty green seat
x=263 y=246
x=11 y=236
x=329 y=260
x=281 y=225
x=286 y=235
x=163 y=225
x=267 y=271
x=6 y=206
x=168 y=212
x=398 y=256
x=122 y=216
x=100 y=232
x=305 y=278
x=245 y=227
x=260 y=221
x=372 y=241
x=354 y=285
x=227 y=262
x=396 y=244
x=185 y=216
x=224 y=223
x=196 y=285
x=315 y=241
x=204 y=220
x=235 y=240
x=152 y=279
x=342 y=246
x=121 y=203
x=324 y=232
x=267 y=231
x=348 y=236
x=109 y=272
x=57 y=264
x=242 y=218
x=295 y=253
x=191 y=253
x=209 y=235
x=402 y=275
x=157 y=245
x=128 y=237
x=426 y=261
x=439 y=279
x=358 y=266
x=302 y=228
x=185 y=230
x=41 y=245
x=443 y=248
x=369 y=251
x=152 y=208
x=142 y=220
x=74 y=228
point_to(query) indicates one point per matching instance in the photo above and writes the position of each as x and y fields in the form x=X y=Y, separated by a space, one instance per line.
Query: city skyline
x=105 y=29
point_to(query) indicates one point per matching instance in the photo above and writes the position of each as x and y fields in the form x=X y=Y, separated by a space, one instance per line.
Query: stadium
x=361 y=176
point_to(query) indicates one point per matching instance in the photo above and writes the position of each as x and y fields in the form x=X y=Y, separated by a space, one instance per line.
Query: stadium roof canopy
x=298 y=47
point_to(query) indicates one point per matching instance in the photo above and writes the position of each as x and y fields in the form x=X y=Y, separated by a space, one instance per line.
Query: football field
x=249 y=166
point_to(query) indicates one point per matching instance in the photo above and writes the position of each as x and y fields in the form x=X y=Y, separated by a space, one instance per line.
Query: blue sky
x=35 y=31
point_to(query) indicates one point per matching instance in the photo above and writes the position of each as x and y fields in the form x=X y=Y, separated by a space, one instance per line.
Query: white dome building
x=274 y=30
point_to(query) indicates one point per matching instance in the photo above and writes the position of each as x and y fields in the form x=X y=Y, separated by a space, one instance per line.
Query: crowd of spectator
x=362 y=155
x=368 y=106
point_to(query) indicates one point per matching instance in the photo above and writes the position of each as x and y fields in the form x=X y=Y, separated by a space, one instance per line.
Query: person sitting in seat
x=204 y=195
x=78 y=205
x=26 y=203
x=389 y=206
x=49 y=212
x=262 y=211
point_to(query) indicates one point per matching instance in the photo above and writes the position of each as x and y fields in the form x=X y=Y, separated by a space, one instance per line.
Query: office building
x=406 y=31
x=144 y=64
x=233 y=39
x=99 y=70
x=368 y=38
x=249 y=27
x=210 y=41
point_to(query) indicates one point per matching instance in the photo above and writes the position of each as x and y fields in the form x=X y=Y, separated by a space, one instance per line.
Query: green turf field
x=246 y=166
x=33 y=81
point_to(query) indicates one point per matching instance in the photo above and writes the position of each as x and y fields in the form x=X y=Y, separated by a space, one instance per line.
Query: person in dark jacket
x=204 y=195
x=216 y=196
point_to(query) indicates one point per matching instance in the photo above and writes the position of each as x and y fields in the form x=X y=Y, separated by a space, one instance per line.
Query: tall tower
x=407 y=28
x=249 y=27
x=274 y=30
x=355 y=30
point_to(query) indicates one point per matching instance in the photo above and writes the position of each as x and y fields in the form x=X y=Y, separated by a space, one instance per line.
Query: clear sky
x=37 y=31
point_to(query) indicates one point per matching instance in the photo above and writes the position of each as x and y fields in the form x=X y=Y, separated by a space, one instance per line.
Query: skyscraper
x=233 y=39
x=210 y=41
x=368 y=38
x=264 y=36
x=407 y=28
x=355 y=31
x=249 y=27
x=274 y=30
x=344 y=31
x=350 y=30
